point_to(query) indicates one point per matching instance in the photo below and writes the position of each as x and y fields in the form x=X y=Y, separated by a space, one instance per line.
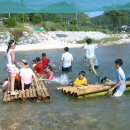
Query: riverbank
x=60 y=39
x=42 y=46
x=57 y=45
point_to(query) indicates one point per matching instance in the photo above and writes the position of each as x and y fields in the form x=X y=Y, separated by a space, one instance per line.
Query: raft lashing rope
x=37 y=93
x=89 y=91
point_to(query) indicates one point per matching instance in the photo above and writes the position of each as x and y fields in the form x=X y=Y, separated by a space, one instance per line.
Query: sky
x=93 y=14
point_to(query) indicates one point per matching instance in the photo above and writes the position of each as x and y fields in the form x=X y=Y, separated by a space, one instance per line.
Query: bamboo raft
x=38 y=93
x=89 y=91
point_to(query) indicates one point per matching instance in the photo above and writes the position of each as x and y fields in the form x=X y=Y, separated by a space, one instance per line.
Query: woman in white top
x=26 y=75
x=11 y=69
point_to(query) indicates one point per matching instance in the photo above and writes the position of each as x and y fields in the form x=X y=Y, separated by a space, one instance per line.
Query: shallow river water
x=66 y=113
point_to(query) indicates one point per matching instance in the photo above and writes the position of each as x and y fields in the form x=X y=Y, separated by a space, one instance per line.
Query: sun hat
x=23 y=63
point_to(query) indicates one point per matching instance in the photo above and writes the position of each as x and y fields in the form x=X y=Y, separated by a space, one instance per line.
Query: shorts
x=118 y=93
x=27 y=86
x=11 y=71
x=67 y=69
x=92 y=62
x=19 y=87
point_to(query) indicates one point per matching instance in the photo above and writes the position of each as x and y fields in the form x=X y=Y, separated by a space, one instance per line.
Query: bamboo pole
x=46 y=93
x=89 y=91
x=8 y=98
x=68 y=89
x=20 y=95
x=12 y=98
x=34 y=92
x=38 y=93
x=100 y=93
x=93 y=95
x=43 y=94
x=5 y=97
x=16 y=96
x=27 y=93
x=30 y=93
x=23 y=95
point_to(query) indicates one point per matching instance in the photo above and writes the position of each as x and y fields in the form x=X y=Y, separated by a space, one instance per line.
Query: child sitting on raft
x=80 y=80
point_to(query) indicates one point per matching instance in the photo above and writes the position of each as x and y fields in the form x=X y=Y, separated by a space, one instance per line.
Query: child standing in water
x=90 y=54
x=120 y=79
x=80 y=80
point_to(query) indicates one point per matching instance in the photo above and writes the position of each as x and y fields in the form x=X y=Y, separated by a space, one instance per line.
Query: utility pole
x=9 y=15
x=76 y=16
x=100 y=24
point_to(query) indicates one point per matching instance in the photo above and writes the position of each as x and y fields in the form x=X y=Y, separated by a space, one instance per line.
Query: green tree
x=37 y=19
x=73 y=21
x=84 y=19
x=10 y=22
x=24 y=18
x=117 y=18
x=57 y=19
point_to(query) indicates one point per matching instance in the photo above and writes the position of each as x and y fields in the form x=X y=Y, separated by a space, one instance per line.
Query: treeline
x=113 y=20
x=110 y=21
x=52 y=22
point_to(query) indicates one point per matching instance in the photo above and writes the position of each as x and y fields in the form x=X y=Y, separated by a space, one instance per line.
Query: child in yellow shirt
x=80 y=80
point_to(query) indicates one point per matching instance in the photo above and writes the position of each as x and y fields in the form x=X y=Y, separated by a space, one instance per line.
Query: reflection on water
x=63 y=112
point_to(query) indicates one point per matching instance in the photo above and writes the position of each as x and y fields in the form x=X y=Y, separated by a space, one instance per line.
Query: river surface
x=64 y=112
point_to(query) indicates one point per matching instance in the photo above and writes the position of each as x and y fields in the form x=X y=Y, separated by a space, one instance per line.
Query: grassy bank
x=101 y=41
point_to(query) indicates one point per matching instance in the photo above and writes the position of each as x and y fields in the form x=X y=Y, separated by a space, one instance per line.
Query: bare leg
x=12 y=83
x=91 y=65
x=91 y=62
x=5 y=86
x=94 y=71
x=8 y=87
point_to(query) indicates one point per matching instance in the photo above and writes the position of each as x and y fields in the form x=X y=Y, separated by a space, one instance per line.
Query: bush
x=17 y=34
x=49 y=26
x=37 y=19
x=11 y=22
x=106 y=31
x=57 y=19
x=24 y=18
x=73 y=22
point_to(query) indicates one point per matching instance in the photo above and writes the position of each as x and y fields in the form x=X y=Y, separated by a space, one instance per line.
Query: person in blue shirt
x=119 y=86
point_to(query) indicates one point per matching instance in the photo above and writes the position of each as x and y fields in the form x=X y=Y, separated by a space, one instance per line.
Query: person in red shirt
x=45 y=61
x=39 y=67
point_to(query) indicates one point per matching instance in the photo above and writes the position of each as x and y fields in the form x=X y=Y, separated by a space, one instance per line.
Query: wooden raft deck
x=88 y=91
x=33 y=93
